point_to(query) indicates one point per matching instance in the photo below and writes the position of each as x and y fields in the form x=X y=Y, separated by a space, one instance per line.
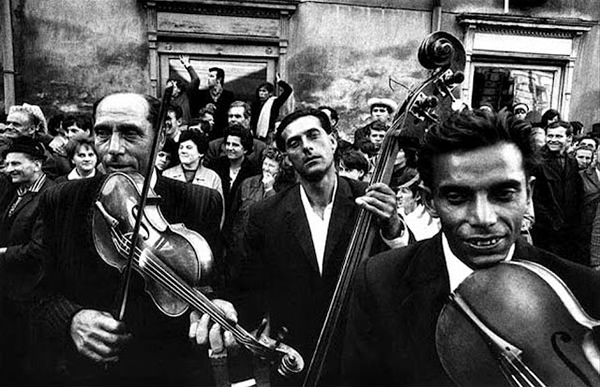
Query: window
x=502 y=85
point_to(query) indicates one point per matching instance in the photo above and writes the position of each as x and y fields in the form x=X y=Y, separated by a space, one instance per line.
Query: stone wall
x=68 y=53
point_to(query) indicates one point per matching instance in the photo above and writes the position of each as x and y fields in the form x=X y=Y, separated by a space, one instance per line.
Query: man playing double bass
x=477 y=168
x=80 y=340
x=297 y=240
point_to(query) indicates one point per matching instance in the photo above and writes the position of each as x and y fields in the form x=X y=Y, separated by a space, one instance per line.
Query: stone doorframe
x=551 y=40
x=223 y=28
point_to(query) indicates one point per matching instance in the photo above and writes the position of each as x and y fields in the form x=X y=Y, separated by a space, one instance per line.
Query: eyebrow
x=463 y=188
x=119 y=127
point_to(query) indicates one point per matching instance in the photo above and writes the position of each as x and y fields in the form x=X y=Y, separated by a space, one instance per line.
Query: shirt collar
x=306 y=202
x=458 y=271
x=35 y=187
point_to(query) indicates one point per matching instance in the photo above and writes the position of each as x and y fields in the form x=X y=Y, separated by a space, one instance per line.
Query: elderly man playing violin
x=80 y=339
x=478 y=173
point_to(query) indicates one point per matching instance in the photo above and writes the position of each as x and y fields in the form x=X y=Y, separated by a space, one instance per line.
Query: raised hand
x=185 y=60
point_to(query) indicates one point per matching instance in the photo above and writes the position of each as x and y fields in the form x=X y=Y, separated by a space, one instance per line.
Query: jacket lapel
x=342 y=213
x=296 y=221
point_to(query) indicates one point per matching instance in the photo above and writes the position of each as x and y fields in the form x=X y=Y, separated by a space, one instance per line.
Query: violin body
x=184 y=251
x=535 y=322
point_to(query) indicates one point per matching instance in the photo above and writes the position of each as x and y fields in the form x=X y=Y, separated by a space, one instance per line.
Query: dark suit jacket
x=281 y=265
x=591 y=198
x=398 y=295
x=201 y=98
x=21 y=233
x=77 y=278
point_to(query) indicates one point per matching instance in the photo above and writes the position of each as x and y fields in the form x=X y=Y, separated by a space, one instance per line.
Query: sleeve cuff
x=397 y=242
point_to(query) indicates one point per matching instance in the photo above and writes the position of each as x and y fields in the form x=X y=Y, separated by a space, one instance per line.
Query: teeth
x=487 y=242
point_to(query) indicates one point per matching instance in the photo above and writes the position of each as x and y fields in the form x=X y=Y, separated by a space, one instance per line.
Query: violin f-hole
x=563 y=337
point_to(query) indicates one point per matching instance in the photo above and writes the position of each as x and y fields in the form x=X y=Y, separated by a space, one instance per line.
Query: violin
x=444 y=55
x=173 y=260
x=517 y=324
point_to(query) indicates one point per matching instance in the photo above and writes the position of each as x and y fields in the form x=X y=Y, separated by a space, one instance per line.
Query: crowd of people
x=276 y=201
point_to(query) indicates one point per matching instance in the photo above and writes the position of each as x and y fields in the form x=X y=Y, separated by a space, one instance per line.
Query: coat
x=76 y=278
x=397 y=297
x=280 y=274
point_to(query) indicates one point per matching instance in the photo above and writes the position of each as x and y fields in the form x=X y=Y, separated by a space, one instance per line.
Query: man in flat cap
x=382 y=111
x=20 y=252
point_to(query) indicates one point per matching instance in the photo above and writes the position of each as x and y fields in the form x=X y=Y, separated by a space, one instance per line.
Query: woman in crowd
x=192 y=148
x=82 y=153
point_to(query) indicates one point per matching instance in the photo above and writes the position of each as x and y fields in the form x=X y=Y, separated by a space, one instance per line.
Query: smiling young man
x=558 y=197
x=477 y=168
x=79 y=340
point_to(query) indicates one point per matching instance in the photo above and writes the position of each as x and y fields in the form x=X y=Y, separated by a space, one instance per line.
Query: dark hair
x=247 y=109
x=220 y=73
x=244 y=134
x=77 y=141
x=153 y=107
x=82 y=121
x=334 y=113
x=354 y=159
x=266 y=85
x=177 y=110
x=548 y=116
x=561 y=124
x=474 y=129
x=54 y=124
x=296 y=115
x=197 y=137
x=180 y=84
x=577 y=127
x=376 y=125
x=589 y=137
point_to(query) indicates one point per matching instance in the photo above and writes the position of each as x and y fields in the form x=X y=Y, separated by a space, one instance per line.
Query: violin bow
x=158 y=128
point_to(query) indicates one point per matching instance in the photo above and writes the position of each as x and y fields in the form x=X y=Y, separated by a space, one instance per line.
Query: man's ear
x=333 y=141
x=162 y=138
x=428 y=202
x=530 y=187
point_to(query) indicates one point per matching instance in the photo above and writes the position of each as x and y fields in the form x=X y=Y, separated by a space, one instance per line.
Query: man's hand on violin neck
x=98 y=336
x=204 y=331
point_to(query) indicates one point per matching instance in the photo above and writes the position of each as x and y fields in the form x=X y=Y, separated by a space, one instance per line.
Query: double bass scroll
x=445 y=56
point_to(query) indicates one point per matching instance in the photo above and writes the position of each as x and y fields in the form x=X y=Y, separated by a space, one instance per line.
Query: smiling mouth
x=484 y=242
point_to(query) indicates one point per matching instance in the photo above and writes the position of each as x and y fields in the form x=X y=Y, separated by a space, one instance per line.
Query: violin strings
x=176 y=286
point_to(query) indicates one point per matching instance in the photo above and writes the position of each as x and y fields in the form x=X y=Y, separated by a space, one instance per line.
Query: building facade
x=65 y=54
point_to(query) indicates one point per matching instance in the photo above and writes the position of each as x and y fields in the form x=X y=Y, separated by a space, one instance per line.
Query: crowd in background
x=214 y=140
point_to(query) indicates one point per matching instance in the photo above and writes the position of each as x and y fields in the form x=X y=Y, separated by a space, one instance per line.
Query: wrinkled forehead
x=122 y=108
x=20 y=117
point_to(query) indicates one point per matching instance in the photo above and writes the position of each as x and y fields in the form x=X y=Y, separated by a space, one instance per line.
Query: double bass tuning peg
x=448 y=81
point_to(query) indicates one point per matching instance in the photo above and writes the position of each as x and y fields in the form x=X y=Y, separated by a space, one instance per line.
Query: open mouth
x=484 y=243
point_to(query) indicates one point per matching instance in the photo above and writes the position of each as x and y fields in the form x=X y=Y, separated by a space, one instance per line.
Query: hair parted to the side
x=77 y=142
x=153 y=106
x=469 y=130
x=320 y=115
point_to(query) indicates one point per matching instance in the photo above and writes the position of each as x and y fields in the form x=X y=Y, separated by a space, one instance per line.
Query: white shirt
x=318 y=226
x=458 y=271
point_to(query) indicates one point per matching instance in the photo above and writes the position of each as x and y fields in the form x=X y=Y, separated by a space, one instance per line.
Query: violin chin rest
x=591 y=347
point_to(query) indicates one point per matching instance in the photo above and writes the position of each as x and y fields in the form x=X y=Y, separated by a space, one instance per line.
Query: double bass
x=444 y=56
